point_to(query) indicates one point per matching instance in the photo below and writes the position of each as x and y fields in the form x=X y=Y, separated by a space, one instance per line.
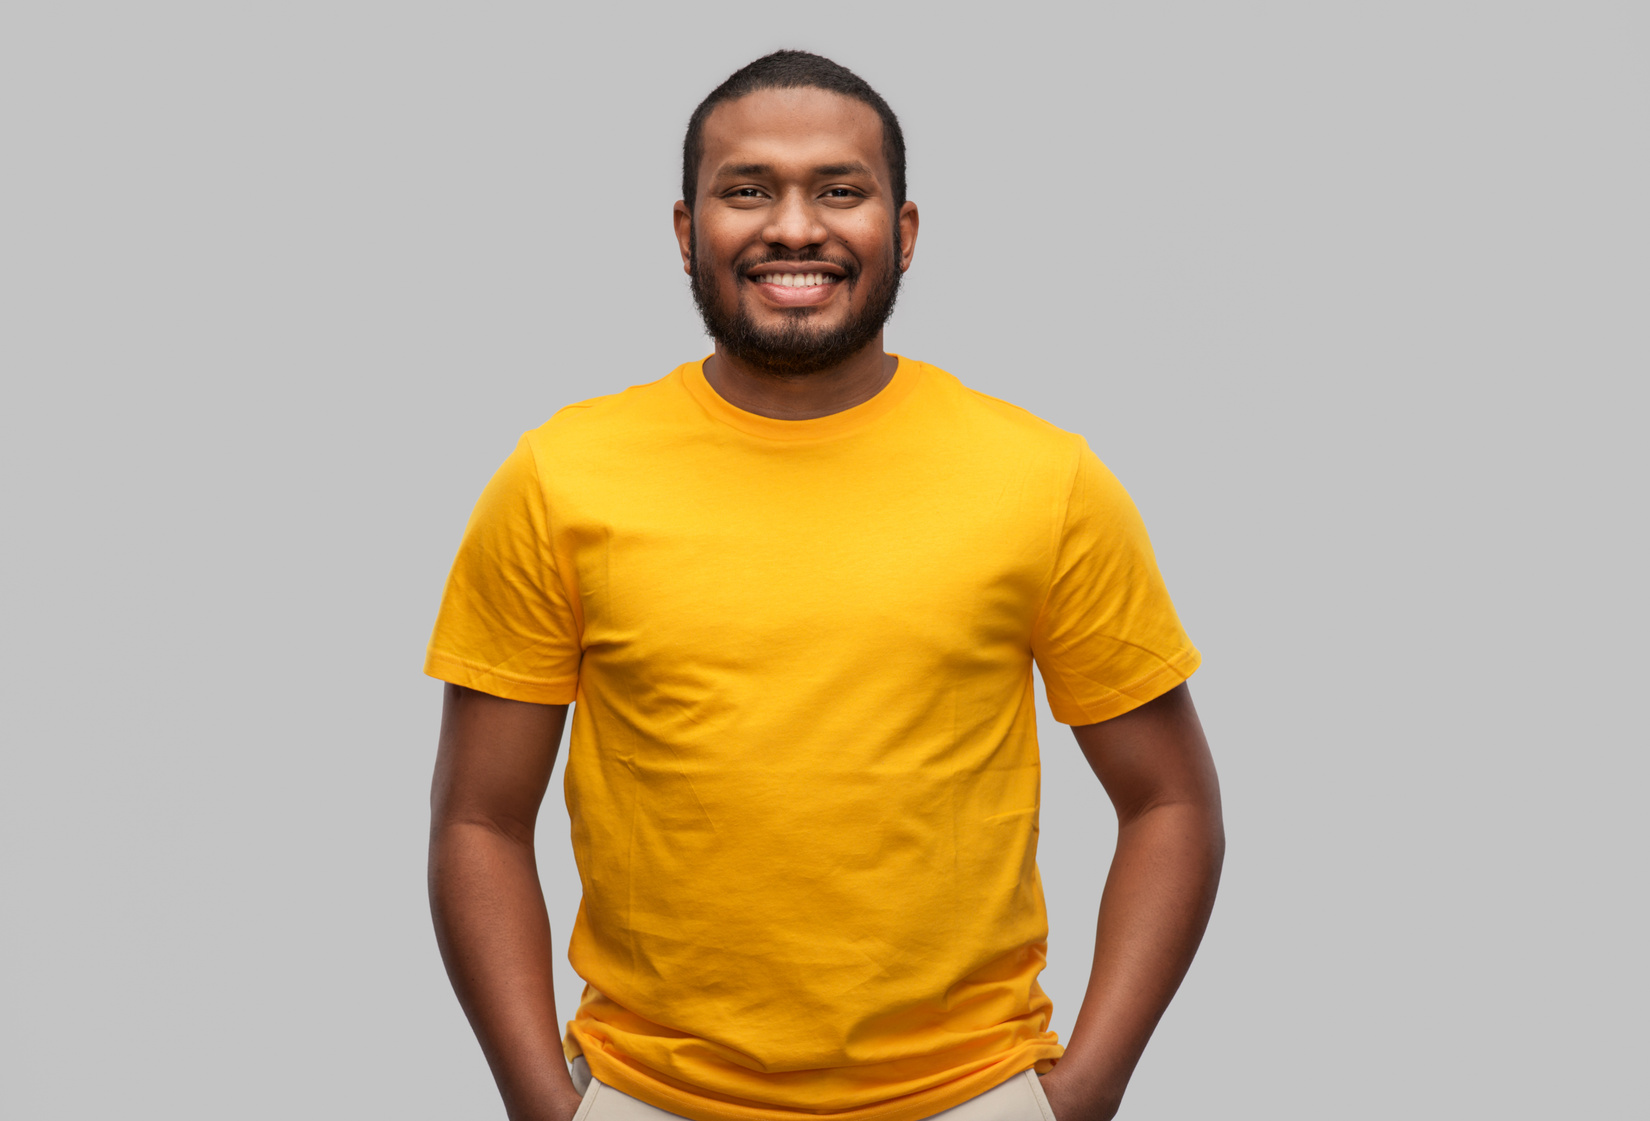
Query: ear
x=907 y=234
x=683 y=218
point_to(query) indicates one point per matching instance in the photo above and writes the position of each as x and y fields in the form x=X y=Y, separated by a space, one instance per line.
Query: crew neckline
x=906 y=375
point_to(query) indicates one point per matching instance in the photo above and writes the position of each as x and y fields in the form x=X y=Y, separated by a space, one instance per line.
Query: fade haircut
x=790 y=70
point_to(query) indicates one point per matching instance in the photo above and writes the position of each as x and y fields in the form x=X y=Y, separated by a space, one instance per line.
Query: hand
x=1072 y=1099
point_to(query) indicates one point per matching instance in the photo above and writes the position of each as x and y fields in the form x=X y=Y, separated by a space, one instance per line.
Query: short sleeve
x=506 y=624
x=1107 y=639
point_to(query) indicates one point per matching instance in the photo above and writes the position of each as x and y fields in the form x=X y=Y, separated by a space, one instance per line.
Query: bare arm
x=491 y=771
x=1155 y=765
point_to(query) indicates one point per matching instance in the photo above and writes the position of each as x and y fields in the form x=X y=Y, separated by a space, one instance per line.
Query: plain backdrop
x=1353 y=298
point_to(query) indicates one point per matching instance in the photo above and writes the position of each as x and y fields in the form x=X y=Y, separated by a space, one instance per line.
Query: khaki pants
x=1019 y=1099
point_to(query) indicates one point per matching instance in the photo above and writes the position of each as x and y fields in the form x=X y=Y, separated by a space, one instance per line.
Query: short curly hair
x=786 y=70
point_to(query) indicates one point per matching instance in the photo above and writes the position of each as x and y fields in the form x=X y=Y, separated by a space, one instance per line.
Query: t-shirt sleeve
x=1107 y=639
x=506 y=624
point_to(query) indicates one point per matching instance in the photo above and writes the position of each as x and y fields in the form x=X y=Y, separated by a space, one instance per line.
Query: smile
x=797 y=279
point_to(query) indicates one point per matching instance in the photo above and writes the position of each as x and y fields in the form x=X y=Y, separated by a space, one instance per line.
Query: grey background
x=1352 y=297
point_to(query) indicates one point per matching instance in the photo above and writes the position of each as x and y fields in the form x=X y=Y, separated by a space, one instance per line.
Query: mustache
x=850 y=269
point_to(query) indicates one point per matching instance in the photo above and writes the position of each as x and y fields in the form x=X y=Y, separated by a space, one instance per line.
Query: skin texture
x=491 y=770
x=797 y=173
x=1154 y=764
x=764 y=190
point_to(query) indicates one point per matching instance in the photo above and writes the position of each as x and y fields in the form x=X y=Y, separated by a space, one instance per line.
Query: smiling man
x=797 y=590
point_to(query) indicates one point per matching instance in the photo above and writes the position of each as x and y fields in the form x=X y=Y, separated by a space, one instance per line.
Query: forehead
x=793 y=128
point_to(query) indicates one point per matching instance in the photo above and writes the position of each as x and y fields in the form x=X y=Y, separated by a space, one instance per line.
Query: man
x=796 y=591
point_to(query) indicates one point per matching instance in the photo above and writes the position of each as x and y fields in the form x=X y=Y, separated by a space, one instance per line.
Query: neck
x=803 y=397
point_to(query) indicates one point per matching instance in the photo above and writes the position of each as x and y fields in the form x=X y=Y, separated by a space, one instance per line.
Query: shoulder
x=994 y=426
x=611 y=421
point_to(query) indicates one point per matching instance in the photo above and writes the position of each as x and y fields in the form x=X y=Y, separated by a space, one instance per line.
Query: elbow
x=1214 y=850
x=468 y=827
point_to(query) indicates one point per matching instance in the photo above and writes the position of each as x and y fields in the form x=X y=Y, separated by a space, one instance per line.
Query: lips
x=795 y=284
x=796 y=289
x=794 y=273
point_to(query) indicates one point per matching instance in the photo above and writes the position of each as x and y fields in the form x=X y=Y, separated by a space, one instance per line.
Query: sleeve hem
x=484 y=679
x=1068 y=710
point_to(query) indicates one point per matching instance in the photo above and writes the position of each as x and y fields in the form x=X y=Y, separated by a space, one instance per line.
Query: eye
x=841 y=193
x=745 y=193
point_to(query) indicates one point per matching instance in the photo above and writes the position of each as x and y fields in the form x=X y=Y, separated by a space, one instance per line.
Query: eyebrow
x=758 y=170
x=855 y=168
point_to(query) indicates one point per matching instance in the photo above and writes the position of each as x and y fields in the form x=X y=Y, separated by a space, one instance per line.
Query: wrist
x=1076 y=1093
x=557 y=1105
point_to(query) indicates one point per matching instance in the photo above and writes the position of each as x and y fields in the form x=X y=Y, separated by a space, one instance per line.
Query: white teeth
x=797 y=279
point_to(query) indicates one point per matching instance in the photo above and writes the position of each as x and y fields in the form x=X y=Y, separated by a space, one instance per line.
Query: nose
x=794 y=223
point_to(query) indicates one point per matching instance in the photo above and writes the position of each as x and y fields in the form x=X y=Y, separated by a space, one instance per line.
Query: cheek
x=869 y=238
x=867 y=224
x=725 y=236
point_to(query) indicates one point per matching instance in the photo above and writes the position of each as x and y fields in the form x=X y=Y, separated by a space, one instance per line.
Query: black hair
x=788 y=70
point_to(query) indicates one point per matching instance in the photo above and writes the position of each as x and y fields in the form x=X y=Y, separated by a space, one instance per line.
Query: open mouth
x=797 y=279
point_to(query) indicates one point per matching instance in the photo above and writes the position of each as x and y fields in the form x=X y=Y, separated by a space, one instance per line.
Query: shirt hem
x=911 y=1107
x=497 y=683
x=1131 y=696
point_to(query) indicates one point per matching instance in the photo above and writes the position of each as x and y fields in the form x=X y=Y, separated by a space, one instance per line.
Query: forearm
x=1156 y=904
x=494 y=934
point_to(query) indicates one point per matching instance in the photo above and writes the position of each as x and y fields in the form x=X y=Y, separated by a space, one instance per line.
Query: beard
x=797 y=347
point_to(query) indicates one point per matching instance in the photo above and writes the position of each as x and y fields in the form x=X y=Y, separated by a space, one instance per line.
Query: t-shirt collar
x=906 y=375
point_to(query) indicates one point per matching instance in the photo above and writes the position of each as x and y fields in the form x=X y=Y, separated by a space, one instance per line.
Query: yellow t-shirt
x=803 y=773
